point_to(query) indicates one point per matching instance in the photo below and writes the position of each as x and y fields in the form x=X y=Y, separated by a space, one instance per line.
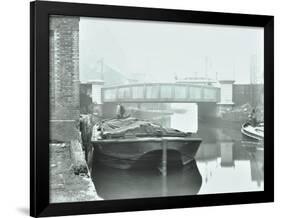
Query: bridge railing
x=160 y=92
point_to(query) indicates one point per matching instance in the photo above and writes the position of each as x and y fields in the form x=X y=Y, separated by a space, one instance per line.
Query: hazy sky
x=161 y=50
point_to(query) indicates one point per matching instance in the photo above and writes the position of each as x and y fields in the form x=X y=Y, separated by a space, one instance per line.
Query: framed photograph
x=144 y=108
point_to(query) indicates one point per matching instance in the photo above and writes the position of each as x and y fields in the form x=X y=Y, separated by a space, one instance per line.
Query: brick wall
x=64 y=77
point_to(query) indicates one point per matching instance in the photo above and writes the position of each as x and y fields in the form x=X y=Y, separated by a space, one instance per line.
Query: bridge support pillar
x=226 y=103
x=96 y=94
x=97 y=85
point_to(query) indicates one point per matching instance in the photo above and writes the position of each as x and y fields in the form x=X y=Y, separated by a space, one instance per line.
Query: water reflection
x=114 y=183
x=230 y=167
x=229 y=164
x=225 y=160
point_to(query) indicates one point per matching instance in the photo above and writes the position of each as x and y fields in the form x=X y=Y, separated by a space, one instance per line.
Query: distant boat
x=123 y=143
x=253 y=132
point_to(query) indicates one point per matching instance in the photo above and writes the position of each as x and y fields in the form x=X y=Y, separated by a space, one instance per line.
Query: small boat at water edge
x=124 y=143
x=253 y=132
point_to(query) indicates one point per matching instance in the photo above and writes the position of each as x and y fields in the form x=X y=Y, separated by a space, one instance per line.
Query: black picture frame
x=39 y=107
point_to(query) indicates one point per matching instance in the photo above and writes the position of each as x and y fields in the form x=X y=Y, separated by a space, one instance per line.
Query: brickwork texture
x=64 y=78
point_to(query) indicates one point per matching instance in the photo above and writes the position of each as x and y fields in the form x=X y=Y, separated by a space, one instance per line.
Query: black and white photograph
x=143 y=109
x=140 y=108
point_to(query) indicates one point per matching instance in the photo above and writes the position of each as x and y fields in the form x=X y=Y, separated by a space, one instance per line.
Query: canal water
x=225 y=162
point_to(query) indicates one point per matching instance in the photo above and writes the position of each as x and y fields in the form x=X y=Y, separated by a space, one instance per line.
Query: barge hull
x=125 y=153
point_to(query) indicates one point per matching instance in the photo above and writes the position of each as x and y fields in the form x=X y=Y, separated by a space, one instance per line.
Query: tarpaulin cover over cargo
x=133 y=127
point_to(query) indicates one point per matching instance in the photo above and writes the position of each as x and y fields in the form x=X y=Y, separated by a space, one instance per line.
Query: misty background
x=162 y=51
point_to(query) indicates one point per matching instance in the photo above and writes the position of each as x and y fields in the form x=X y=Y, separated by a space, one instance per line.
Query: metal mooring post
x=164 y=157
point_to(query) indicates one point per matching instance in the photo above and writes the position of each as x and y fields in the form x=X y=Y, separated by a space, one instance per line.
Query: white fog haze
x=149 y=49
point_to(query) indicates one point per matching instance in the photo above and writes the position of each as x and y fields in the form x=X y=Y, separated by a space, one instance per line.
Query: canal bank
x=222 y=152
x=71 y=165
x=67 y=184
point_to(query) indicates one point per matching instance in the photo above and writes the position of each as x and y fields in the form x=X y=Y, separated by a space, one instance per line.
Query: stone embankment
x=70 y=167
x=70 y=179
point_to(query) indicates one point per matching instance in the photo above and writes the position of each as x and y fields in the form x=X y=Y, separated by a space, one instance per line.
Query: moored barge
x=124 y=143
